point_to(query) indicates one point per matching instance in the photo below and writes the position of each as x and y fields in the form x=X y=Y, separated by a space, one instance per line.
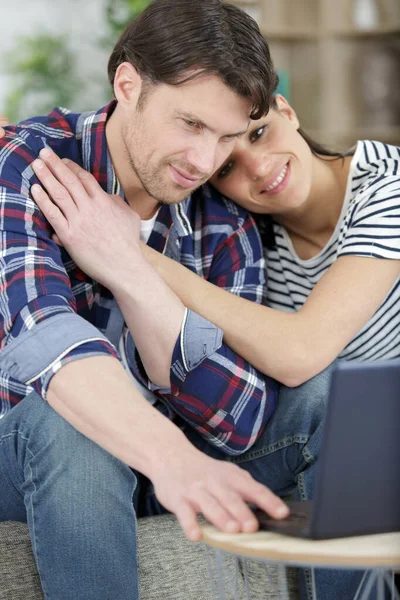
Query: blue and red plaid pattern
x=220 y=394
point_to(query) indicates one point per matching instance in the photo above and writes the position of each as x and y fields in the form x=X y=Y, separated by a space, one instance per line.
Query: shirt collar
x=180 y=219
x=91 y=128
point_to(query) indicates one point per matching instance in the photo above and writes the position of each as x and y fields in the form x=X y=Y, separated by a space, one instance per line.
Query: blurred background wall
x=339 y=64
x=338 y=60
x=52 y=51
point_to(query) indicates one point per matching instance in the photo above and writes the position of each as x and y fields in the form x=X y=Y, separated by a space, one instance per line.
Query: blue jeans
x=77 y=500
x=81 y=503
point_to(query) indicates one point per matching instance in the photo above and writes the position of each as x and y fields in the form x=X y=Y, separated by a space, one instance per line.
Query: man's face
x=182 y=134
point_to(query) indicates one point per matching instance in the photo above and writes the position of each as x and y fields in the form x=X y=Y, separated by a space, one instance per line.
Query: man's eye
x=190 y=123
x=225 y=170
x=257 y=133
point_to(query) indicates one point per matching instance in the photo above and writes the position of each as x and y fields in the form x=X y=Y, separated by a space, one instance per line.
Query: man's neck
x=136 y=196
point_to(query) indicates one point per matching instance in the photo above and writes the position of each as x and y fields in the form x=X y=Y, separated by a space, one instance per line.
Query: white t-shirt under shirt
x=369 y=225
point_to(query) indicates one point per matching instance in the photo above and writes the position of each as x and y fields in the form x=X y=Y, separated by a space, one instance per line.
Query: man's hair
x=175 y=41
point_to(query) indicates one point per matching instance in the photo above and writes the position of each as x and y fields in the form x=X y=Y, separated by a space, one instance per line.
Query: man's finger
x=215 y=512
x=261 y=496
x=187 y=518
x=237 y=507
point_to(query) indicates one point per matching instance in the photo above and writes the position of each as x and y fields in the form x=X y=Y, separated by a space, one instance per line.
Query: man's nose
x=202 y=157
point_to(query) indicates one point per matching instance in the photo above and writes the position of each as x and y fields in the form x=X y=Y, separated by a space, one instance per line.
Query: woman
x=331 y=226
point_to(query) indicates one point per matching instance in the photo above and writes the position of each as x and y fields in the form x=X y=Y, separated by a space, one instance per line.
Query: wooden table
x=377 y=555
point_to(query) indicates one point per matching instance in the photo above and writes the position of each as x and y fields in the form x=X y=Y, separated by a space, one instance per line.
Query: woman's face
x=270 y=168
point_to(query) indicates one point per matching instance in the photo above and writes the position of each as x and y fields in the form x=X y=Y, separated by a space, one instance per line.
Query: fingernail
x=231 y=526
x=193 y=535
x=45 y=153
x=65 y=160
x=38 y=164
x=250 y=525
x=282 y=511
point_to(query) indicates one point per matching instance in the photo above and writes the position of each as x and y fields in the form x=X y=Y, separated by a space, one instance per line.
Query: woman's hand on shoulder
x=3 y=122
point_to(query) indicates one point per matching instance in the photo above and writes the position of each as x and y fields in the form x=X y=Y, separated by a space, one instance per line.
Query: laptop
x=357 y=487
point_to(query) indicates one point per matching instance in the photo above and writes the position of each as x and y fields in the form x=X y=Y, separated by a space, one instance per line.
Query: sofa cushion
x=19 y=579
x=170 y=567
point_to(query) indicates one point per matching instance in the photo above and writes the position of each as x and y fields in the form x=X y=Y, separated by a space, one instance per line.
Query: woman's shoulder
x=374 y=173
x=375 y=158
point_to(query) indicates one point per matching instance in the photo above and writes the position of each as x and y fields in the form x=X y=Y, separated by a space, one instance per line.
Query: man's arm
x=114 y=415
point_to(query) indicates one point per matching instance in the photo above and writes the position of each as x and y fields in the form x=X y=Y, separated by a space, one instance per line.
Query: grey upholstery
x=170 y=567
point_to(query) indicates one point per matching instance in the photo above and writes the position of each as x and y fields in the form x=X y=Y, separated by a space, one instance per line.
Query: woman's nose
x=256 y=165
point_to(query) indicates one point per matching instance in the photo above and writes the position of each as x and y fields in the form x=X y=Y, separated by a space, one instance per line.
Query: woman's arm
x=291 y=347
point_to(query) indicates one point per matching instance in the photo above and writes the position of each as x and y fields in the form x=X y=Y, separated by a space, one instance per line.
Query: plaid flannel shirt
x=53 y=313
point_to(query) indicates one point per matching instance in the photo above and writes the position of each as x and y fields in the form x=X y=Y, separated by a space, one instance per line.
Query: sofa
x=170 y=567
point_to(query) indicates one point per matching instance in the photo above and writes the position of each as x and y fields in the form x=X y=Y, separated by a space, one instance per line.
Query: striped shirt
x=52 y=313
x=369 y=225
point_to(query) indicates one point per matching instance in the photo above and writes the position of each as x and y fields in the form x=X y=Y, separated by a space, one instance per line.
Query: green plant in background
x=120 y=12
x=43 y=67
x=43 y=70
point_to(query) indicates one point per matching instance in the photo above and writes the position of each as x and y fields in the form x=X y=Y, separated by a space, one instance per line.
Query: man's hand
x=196 y=483
x=101 y=232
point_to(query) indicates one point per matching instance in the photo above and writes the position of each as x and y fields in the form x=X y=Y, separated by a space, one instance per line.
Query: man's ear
x=127 y=85
x=286 y=110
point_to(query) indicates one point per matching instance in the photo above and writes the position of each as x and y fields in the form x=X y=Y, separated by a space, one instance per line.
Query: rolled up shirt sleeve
x=37 y=354
x=198 y=340
x=219 y=393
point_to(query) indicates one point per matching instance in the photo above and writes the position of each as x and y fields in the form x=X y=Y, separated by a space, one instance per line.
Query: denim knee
x=304 y=407
x=78 y=501
x=51 y=453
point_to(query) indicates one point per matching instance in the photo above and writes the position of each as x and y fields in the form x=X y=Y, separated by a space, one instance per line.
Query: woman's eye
x=225 y=170
x=257 y=133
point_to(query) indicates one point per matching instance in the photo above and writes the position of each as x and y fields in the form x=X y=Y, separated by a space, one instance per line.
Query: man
x=78 y=441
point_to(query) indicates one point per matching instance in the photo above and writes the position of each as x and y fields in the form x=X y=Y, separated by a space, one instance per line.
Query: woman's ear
x=286 y=110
